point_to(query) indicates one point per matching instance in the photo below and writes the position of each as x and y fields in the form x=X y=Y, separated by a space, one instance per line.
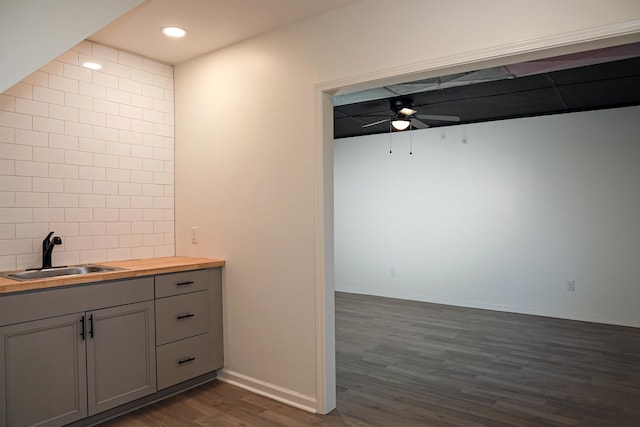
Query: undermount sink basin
x=57 y=272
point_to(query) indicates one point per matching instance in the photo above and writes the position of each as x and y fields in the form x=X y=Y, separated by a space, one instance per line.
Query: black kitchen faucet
x=47 y=249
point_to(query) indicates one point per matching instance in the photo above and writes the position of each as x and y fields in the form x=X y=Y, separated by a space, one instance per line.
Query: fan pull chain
x=410 y=139
x=390 y=131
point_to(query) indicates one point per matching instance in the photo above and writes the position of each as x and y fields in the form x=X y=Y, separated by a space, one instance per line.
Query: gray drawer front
x=182 y=316
x=23 y=307
x=184 y=282
x=183 y=360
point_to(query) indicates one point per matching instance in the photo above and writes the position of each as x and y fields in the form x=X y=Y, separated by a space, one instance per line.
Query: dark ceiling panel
x=606 y=85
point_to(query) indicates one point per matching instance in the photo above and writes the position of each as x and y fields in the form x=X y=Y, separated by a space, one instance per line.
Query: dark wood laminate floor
x=404 y=363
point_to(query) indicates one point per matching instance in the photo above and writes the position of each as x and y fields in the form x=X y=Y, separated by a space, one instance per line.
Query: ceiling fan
x=404 y=115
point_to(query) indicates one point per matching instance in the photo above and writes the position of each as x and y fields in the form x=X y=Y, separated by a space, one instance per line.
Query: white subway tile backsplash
x=63 y=83
x=50 y=155
x=102 y=187
x=92 y=90
x=8 y=231
x=15 y=183
x=78 y=243
x=92 y=173
x=153 y=91
x=82 y=130
x=64 y=142
x=48 y=215
x=16 y=152
x=65 y=229
x=48 y=185
x=63 y=200
x=15 y=246
x=78 y=101
x=69 y=57
x=16 y=120
x=129 y=189
x=130 y=86
x=118 y=175
x=32 y=230
x=78 y=214
x=48 y=95
x=7 y=167
x=106 y=214
x=78 y=73
x=105 y=242
x=119 y=70
x=142 y=252
x=119 y=254
x=105 y=134
x=93 y=255
x=93 y=228
x=117 y=122
x=78 y=158
x=31 y=200
x=88 y=154
x=152 y=66
x=105 y=80
x=119 y=96
x=141 y=101
x=7 y=199
x=29 y=168
x=61 y=112
x=129 y=240
x=16 y=215
x=91 y=145
x=131 y=215
x=29 y=106
x=113 y=201
x=131 y=138
x=92 y=118
x=92 y=201
x=20 y=90
x=7 y=135
x=53 y=67
x=37 y=78
x=126 y=58
x=118 y=228
x=142 y=177
x=80 y=186
x=44 y=124
x=63 y=171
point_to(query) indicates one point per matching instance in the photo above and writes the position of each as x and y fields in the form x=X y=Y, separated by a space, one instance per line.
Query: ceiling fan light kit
x=404 y=116
x=400 y=124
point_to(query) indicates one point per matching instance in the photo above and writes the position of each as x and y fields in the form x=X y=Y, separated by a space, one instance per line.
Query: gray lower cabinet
x=43 y=377
x=120 y=355
x=71 y=353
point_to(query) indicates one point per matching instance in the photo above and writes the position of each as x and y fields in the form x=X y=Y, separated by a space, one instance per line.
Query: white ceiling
x=210 y=24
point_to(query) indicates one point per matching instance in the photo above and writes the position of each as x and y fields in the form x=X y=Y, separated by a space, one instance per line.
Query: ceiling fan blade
x=375 y=123
x=439 y=118
x=418 y=124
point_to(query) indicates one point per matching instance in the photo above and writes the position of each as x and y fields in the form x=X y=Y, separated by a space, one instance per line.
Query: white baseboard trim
x=272 y=391
x=495 y=307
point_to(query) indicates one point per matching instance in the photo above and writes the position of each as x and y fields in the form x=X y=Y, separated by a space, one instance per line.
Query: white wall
x=247 y=151
x=89 y=155
x=502 y=221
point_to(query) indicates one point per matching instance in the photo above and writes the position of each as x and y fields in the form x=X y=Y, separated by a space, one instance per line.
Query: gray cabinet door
x=42 y=373
x=121 y=364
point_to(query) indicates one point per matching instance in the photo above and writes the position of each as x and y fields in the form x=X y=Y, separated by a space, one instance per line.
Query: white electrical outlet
x=194 y=235
x=571 y=286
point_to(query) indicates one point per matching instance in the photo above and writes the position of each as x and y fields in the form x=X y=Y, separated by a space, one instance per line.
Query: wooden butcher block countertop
x=127 y=269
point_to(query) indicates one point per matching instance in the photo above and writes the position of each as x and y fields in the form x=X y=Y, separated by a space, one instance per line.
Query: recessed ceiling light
x=174 y=31
x=91 y=65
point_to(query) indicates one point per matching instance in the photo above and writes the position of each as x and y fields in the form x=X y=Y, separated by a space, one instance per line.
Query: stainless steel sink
x=57 y=272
